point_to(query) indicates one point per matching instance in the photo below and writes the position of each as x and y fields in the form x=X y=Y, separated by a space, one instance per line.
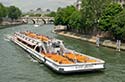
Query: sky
x=26 y=5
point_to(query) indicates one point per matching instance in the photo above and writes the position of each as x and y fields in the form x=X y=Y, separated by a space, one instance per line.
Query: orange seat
x=91 y=60
x=58 y=58
x=77 y=57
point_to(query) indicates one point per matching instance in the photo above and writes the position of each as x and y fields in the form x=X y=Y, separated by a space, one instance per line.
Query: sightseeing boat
x=54 y=54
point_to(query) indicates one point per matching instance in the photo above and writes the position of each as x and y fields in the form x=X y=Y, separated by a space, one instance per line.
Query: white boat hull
x=61 y=68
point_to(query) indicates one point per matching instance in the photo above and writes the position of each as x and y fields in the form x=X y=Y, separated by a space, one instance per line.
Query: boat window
x=37 y=49
x=42 y=50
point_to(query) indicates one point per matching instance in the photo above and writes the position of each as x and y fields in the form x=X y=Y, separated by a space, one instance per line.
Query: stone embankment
x=6 y=24
x=106 y=43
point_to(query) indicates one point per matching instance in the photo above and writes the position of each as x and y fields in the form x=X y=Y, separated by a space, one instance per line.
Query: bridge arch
x=33 y=21
x=51 y=21
x=37 y=20
x=43 y=20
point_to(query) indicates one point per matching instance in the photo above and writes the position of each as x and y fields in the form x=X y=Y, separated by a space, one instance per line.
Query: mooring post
x=118 y=45
x=97 y=41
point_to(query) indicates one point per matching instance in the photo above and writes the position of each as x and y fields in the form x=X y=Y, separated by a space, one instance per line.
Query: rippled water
x=17 y=66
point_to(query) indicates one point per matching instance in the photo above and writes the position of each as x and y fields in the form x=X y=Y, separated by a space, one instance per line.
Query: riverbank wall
x=104 y=42
x=9 y=24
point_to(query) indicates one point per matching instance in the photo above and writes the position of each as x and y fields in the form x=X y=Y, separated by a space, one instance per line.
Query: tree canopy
x=52 y=14
x=10 y=12
x=112 y=20
x=63 y=14
x=110 y=12
x=14 y=12
x=3 y=11
x=75 y=20
x=91 y=12
x=118 y=27
x=94 y=17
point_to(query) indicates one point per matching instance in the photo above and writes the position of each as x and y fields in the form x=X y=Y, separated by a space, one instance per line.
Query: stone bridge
x=38 y=20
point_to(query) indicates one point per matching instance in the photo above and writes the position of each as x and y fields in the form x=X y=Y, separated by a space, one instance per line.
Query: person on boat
x=48 y=48
x=61 y=51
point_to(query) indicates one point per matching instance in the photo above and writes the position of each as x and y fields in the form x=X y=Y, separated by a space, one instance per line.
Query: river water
x=17 y=66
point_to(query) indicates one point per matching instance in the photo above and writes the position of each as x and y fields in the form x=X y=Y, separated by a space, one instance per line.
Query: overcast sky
x=26 y=5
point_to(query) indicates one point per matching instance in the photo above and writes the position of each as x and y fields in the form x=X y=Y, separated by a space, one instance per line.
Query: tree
x=3 y=12
x=113 y=20
x=52 y=14
x=118 y=27
x=110 y=12
x=91 y=12
x=75 y=21
x=37 y=15
x=87 y=15
x=58 y=20
x=63 y=14
x=14 y=12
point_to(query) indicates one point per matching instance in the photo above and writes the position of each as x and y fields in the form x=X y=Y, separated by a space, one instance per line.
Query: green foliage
x=3 y=11
x=91 y=12
x=93 y=16
x=10 y=12
x=63 y=14
x=38 y=15
x=58 y=20
x=106 y=21
x=113 y=20
x=87 y=14
x=52 y=14
x=118 y=27
x=14 y=12
x=75 y=20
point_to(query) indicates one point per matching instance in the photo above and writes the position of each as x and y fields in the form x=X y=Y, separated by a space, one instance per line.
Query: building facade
x=78 y=4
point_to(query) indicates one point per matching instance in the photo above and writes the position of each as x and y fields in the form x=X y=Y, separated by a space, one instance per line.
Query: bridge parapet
x=45 y=20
